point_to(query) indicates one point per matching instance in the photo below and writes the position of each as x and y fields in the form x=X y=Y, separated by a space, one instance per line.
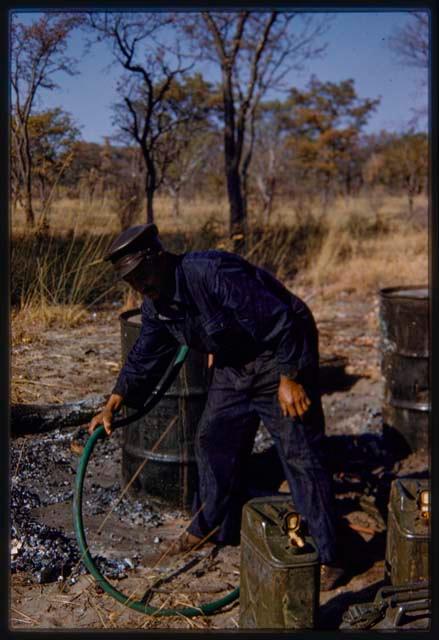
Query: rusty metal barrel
x=169 y=473
x=405 y=342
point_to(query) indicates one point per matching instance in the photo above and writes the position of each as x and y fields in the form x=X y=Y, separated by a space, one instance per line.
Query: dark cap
x=133 y=246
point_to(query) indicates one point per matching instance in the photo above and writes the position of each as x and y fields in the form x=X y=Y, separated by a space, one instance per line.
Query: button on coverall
x=256 y=330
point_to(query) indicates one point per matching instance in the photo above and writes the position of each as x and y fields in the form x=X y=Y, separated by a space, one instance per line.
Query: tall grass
x=395 y=259
x=57 y=277
x=359 y=244
x=362 y=252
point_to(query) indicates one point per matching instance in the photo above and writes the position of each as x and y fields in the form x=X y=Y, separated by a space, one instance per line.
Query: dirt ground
x=58 y=366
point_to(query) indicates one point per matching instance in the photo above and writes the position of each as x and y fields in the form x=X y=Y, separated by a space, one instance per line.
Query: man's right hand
x=105 y=416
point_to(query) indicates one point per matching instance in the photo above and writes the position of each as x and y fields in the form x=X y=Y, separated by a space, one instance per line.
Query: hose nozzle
x=292 y=524
x=424 y=504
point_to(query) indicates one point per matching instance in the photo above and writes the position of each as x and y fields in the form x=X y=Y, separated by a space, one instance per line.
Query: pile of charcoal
x=45 y=552
x=43 y=470
x=45 y=464
x=135 y=512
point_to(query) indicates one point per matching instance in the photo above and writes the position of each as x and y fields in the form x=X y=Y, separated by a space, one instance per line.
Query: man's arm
x=146 y=363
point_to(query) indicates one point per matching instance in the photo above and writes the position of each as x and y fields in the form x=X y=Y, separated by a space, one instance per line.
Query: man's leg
x=299 y=442
x=224 y=440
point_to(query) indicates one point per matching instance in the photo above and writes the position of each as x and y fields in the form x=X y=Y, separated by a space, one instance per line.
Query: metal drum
x=332 y=372
x=169 y=473
x=405 y=338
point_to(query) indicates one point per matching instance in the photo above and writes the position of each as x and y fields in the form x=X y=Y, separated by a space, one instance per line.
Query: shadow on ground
x=331 y=613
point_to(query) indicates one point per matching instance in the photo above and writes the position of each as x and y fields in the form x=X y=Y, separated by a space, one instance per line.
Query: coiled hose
x=99 y=433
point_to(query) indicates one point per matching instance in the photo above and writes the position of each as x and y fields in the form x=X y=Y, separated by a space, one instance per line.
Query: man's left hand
x=292 y=398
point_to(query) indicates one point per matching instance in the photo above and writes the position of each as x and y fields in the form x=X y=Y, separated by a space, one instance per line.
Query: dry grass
x=98 y=217
x=40 y=313
x=358 y=244
x=55 y=279
x=396 y=260
x=362 y=252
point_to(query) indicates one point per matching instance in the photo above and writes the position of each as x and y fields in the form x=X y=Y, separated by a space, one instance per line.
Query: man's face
x=146 y=278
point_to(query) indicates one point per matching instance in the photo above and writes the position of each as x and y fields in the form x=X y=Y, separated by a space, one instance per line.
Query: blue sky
x=357 y=48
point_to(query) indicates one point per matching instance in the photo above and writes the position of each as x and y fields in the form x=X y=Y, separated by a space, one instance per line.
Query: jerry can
x=394 y=608
x=280 y=567
x=408 y=532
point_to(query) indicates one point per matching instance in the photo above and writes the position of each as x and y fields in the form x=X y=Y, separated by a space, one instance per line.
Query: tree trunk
x=237 y=210
x=43 y=221
x=244 y=197
x=37 y=418
x=232 y=158
x=150 y=186
x=149 y=206
x=411 y=200
x=268 y=204
x=176 y=203
x=174 y=192
x=28 y=209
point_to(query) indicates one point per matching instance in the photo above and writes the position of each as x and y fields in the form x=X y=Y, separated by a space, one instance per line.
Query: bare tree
x=183 y=169
x=411 y=42
x=411 y=45
x=271 y=152
x=121 y=176
x=254 y=51
x=190 y=142
x=37 y=53
x=150 y=113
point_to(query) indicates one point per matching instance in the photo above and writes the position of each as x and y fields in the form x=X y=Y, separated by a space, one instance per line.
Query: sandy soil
x=63 y=365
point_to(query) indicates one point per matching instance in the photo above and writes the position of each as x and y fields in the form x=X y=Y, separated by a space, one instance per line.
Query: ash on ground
x=43 y=473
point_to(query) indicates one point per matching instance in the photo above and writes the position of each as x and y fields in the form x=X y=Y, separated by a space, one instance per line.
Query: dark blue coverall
x=257 y=330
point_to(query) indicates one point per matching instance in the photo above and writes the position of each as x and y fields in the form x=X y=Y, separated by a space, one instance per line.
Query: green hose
x=99 y=433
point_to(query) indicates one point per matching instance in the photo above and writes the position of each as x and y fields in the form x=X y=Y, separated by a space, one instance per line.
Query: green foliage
x=324 y=126
x=85 y=163
x=401 y=164
x=51 y=138
x=53 y=135
x=309 y=148
x=406 y=162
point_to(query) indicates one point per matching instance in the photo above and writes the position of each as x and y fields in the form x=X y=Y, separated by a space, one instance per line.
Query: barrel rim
x=125 y=315
x=392 y=292
x=333 y=361
x=409 y=405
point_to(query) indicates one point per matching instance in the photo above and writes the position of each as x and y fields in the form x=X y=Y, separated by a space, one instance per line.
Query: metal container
x=332 y=372
x=394 y=608
x=408 y=532
x=404 y=321
x=279 y=582
x=169 y=473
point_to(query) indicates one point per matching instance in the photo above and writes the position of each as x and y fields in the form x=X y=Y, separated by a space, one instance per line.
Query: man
x=264 y=343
